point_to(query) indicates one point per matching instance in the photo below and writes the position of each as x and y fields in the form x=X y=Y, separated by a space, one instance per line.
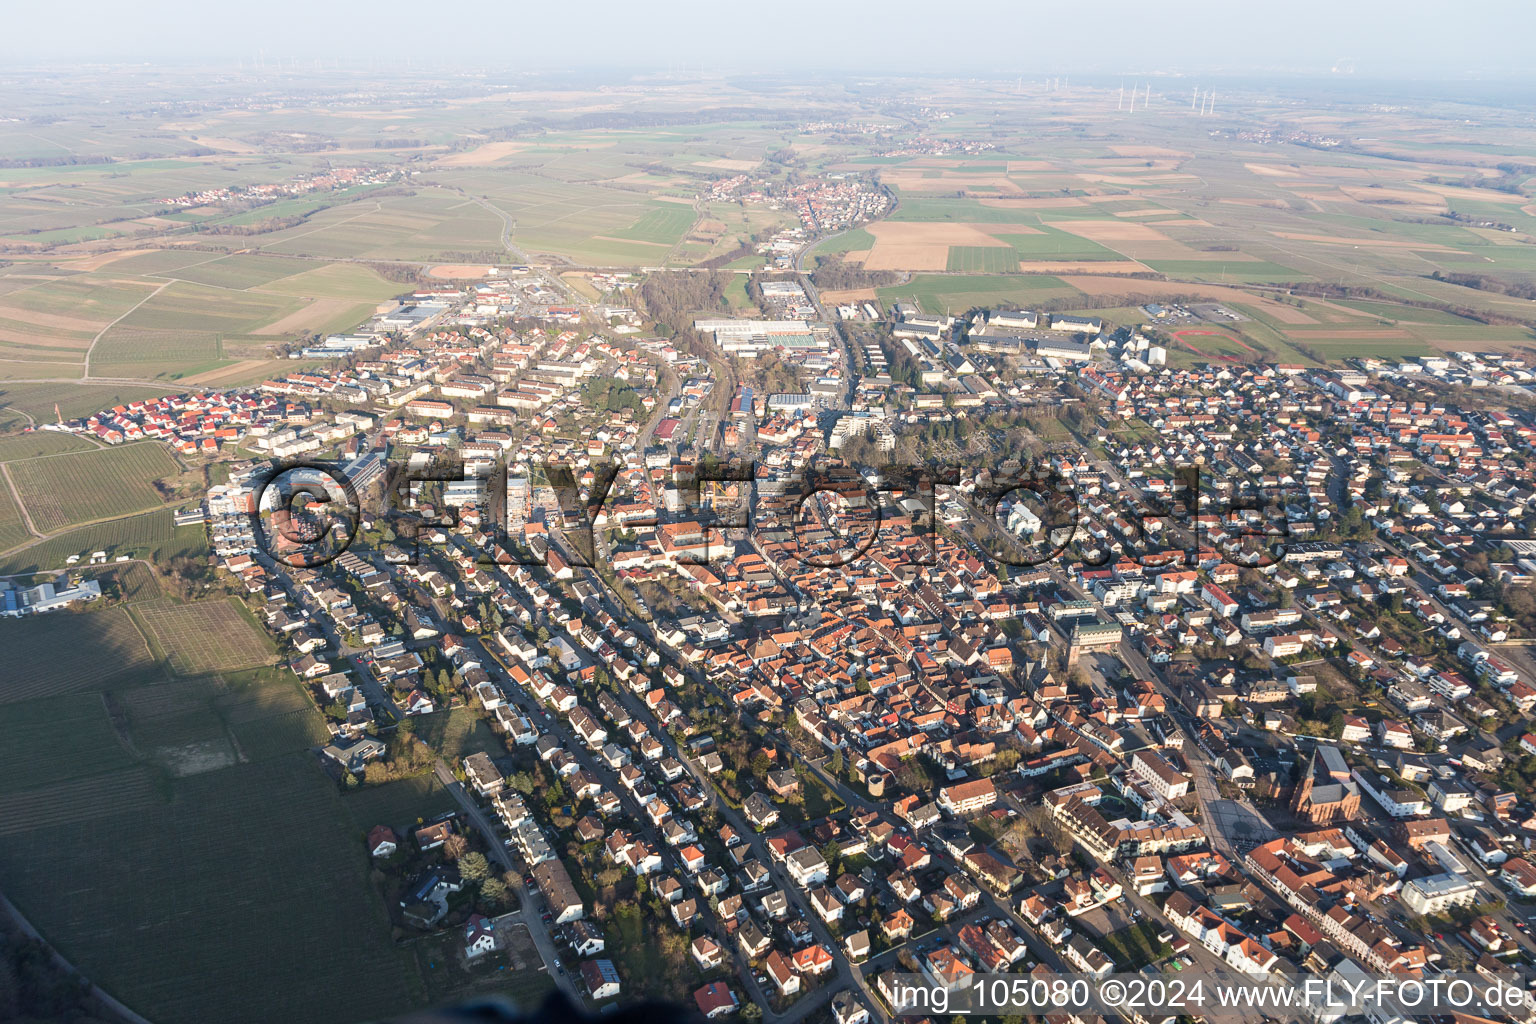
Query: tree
x=837 y=761
x=374 y=774
x=474 y=867
x=1286 y=598
x=455 y=846
x=494 y=892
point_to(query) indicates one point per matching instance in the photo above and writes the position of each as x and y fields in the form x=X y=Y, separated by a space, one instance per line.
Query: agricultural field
x=104 y=743
x=13 y=528
x=268 y=867
x=27 y=404
x=57 y=738
x=981 y=259
x=39 y=443
x=1220 y=272
x=60 y=491
x=152 y=536
x=66 y=654
x=935 y=293
x=208 y=636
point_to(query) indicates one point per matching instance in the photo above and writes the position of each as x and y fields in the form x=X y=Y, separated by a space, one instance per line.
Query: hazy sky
x=1397 y=39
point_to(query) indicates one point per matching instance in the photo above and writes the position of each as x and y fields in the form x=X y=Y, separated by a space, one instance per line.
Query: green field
x=60 y=491
x=456 y=733
x=1055 y=244
x=18 y=401
x=41 y=442
x=337 y=281
x=398 y=804
x=243 y=270
x=181 y=330
x=935 y=292
x=1388 y=348
x=183 y=306
x=857 y=240
x=1405 y=314
x=92 y=297
x=665 y=224
x=48 y=322
x=968 y=211
x=982 y=258
x=427 y=225
x=1220 y=272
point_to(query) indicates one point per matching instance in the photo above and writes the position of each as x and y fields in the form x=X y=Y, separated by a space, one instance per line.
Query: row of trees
x=1484 y=283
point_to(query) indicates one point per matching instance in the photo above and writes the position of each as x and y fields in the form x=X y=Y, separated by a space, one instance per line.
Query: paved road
x=526 y=914
x=635 y=819
x=375 y=692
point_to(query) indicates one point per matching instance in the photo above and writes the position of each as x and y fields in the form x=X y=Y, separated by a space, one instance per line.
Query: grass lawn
x=819 y=800
x=401 y=803
x=457 y=733
x=857 y=240
x=665 y=224
x=1135 y=946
